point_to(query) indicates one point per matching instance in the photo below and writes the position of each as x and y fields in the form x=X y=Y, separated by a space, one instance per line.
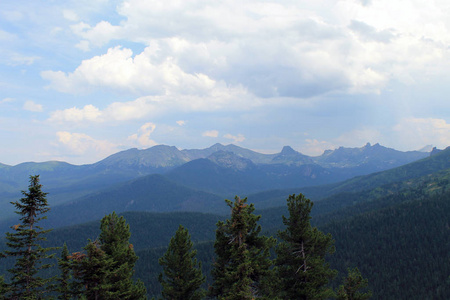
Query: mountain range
x=382 y=220
x=164 y=178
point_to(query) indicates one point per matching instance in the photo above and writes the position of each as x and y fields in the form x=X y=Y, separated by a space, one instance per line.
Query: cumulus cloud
x=82 y=144
x=236 y=138
x=143 y=136
x=274 y=49
x=211 y=133
x=87 y=113
x=149 y=106
x=32 y=106
x=141 y=74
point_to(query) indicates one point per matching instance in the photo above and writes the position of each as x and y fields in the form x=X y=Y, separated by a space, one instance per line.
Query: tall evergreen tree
x=4 y=288
x=301 y=255
x=64 y=281
x=354 y=287
x=106 y=269
x=91 y=271
x=242 y=264
x=25 y=246
x=182 y=275
x=114 y=240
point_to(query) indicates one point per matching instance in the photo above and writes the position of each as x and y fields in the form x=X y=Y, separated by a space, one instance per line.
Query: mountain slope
x=149 y=193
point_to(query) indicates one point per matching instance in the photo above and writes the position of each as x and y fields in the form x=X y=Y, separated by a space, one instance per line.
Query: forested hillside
x=392 y=225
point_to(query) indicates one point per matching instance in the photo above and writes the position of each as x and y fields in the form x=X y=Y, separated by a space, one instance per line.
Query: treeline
x=247 y=264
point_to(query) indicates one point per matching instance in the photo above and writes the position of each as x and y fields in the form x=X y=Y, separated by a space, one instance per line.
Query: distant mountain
x=151 y=193
x=229 y=170
x=375 y=158
x=289 y=156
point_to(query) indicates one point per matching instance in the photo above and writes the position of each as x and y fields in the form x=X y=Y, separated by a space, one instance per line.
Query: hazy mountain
x=375 y=158
x=289 y=156
x=229 y=170
x=152 y=193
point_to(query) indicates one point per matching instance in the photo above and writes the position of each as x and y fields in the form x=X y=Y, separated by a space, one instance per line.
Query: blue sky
x=80 y=80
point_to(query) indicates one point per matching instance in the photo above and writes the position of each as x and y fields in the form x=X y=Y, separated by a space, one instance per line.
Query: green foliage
x=114 y=241
x=64 y=280
x=25 y=246
x=107 y=268
x=301 y=255
x=404 y=249
x=353 y=287
x=242 y=255
x=91 y=272
x=182 y=275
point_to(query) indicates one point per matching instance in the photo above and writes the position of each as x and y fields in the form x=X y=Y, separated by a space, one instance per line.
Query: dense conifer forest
x=389 y=241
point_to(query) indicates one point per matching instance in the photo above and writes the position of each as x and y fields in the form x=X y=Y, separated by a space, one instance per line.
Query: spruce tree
x=182 y=275
x=354 y=287
x=24 y=241
x=64 y=281
x=114 y=240
x=300 y=261
x=242 y=264
x=106 y=268
x=91 y=271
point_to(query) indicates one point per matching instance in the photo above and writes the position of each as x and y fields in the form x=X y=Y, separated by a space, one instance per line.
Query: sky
x=81 y=80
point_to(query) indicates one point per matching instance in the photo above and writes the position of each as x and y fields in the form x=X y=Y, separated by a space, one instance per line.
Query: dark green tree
x=243 y=264
x=107 y=268
x=354 y=287
x=301 y=255
x=115 y=242
x=91 y=271
x=4 y=288
x=64 y=281
x=182 y=275
x=24 y=242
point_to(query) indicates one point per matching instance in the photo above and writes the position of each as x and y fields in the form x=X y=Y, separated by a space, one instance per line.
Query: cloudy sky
x=82 y=79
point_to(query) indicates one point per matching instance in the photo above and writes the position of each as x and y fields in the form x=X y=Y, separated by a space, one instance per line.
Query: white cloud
x=181 y=122
x=236 y=139
x=70 y=15
x=143 y=136
x=7 y=100
x=211 y=133
x=31 y=106
x=222 y=98
x=83 y=144
x=282 y=48
x=414 y=133
x=87 y=113
x=141 y=74
x=98 y=35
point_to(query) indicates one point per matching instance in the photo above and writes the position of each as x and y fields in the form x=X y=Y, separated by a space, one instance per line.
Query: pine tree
x=114 y=240
x=242 y=264
x=91 y=272
x=301 y=255
x=354 y=287
x=25 y=246
x=182 y=275
x=4 y=288
x=106 y=268
x=64 y=281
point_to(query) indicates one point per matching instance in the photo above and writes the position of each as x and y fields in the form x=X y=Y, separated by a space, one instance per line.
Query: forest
x=386 y=239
